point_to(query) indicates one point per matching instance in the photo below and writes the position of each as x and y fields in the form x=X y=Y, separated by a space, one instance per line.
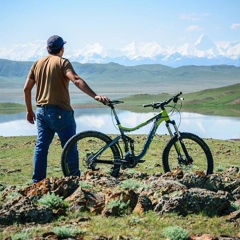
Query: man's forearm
x=28 y=93
x=82 y=85
x=28 y=101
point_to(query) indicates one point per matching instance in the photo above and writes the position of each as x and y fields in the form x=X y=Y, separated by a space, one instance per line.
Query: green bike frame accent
x=157 y=120
x=161 y=117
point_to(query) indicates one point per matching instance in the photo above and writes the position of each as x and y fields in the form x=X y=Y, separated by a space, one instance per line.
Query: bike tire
x=196 y=148
x=89 y=142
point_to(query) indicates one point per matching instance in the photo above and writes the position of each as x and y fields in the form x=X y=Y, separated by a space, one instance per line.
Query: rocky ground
x=138 y=193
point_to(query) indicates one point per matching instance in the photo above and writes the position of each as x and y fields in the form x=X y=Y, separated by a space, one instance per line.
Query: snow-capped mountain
x=203 y=52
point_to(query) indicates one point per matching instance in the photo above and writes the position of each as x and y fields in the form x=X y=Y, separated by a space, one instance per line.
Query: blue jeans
x=51 y=120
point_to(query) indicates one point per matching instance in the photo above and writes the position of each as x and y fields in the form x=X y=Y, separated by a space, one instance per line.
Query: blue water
x=100 y=119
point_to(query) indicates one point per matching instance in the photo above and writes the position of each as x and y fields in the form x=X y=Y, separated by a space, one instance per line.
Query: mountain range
x=204 y=52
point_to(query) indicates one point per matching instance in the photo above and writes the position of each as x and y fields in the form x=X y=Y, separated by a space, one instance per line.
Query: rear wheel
x=190 y=153
x=88 y=144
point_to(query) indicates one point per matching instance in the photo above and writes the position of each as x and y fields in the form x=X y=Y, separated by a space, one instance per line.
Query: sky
x=116 y=23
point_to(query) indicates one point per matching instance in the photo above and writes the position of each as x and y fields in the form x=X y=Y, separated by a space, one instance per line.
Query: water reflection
x=101 y=120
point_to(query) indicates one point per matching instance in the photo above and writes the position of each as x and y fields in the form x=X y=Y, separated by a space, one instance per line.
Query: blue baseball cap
x=55 y=42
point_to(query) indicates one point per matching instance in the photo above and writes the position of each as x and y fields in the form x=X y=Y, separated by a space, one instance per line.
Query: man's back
x=52 y=83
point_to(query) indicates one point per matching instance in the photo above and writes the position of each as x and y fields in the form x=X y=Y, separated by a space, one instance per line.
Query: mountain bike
x=184 y=150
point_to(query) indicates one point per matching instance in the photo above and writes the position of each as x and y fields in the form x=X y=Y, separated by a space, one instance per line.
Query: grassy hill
x=223 y=101
x=152 y=78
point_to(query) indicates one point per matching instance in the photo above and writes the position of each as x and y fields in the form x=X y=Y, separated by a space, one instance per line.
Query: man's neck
x=60 y=54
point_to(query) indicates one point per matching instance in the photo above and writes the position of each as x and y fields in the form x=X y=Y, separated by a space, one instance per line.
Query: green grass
x=16 y=157
x=147 y=226
x=9 y=107
x=223 y=101
x=16 y=169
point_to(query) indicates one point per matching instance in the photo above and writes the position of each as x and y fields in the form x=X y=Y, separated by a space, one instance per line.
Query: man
x=54 y=114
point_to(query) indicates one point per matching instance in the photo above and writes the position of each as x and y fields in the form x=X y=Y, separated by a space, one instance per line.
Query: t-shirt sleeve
x=67 y=66
x=31 y=74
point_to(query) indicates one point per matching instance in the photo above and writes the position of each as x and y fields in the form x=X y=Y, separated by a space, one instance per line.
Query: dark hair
x=53 y=51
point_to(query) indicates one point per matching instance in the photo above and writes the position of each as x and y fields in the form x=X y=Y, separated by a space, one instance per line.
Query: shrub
x=175 y=233
x=131 y=184
x=235 y=205
x=67 y=231
x=85 y=185
x=122 y=206
x=20 y=236
x=53 y=201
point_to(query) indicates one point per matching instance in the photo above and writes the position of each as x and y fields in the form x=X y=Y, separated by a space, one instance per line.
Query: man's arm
x=82 y=85
x=28 y=100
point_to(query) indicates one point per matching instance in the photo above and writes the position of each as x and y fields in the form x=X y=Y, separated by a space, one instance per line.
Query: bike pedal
x=141 y=161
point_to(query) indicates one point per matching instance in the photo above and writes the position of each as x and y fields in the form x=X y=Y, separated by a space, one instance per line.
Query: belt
x=48 y=106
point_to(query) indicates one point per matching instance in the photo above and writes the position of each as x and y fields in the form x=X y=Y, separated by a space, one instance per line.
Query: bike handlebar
x=157 y=105
x=113 y=102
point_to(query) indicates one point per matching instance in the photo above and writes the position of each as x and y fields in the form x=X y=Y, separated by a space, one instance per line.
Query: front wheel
x=89 y=144
x=189 y=152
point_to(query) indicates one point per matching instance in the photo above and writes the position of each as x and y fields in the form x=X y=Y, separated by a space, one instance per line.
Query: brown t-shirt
x=49 y=73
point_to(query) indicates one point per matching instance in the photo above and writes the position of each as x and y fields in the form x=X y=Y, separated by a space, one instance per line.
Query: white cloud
x=235 y=26
x=193 y=16
x=193 y=28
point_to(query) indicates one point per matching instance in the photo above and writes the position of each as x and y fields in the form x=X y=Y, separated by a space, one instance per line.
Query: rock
x=120 y=202
x=194 y=200
x=86 y=200
x=170 y=192
x=63 y=187
x=144 y=204
x=233 y=216
x=23 y=209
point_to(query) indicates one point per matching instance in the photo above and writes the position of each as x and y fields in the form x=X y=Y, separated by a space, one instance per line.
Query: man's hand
x=102 y=99
x=31 y=117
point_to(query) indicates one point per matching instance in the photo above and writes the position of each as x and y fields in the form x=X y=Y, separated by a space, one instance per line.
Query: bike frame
x=157 y=120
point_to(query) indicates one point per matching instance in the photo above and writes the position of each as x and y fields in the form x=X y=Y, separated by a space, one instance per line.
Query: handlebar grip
x=147 y=105
x=113 y=102
x=176 y=97
x=116 y=101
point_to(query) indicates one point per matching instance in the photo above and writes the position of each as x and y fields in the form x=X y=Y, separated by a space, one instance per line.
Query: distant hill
x=10 y=68
x=112 y=78
x=223 y=101
x=115 y=72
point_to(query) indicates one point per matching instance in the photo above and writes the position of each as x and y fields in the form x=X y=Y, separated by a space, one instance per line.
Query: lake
x=100 y=119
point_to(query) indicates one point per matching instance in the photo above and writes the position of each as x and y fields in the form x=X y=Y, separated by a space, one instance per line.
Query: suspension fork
x=178 y=134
